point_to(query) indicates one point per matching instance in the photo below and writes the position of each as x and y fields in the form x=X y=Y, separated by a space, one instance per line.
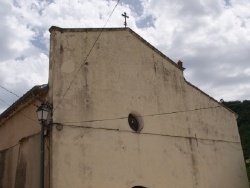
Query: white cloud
x=210 y=37
x=19 y=76
x=30 y=71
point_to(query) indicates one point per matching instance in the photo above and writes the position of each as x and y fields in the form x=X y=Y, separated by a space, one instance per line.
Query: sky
x=211 y=38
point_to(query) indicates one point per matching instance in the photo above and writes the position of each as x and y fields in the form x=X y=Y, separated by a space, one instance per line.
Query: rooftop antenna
x=125 y=16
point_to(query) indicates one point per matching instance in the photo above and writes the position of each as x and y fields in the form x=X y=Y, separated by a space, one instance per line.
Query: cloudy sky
x=211 y=37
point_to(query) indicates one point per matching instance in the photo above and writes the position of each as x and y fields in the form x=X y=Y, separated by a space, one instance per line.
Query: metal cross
x=125 y=16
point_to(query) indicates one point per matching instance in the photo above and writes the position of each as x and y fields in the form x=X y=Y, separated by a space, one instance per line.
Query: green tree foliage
x=243 y=110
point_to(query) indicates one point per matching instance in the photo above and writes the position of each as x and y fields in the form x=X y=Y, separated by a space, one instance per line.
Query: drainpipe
x=42 y=114
x=42 y=156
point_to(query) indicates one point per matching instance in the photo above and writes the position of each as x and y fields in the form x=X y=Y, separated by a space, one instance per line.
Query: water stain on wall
x=21 y=170
x=194 y=163
x=2 y=159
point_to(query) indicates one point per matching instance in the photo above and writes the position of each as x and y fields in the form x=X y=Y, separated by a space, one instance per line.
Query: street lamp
x=42 y=114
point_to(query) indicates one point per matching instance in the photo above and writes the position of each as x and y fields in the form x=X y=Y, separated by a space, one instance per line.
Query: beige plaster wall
x=8 y=165
x=105 y=158
x=22 y=124
x=188 y=139
x=28 y=167
x=19 y=165
x=20 y=150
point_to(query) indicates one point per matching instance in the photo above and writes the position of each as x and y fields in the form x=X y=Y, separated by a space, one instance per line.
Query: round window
x=135 y=122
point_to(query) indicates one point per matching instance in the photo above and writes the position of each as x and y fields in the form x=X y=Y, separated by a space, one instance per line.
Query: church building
x=121 y=115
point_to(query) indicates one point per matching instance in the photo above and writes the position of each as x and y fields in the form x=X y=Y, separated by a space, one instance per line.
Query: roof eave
x=33 y=94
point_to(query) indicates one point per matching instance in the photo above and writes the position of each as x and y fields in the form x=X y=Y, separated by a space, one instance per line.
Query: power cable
x=86 y=57
x=144 y=133
x=149 y=115
x=9 y=91
x=4 y=102
x=18 y=98
x=15 y=95
x=20 y=112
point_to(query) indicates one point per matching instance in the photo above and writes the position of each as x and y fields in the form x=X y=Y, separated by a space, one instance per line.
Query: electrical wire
x=4 y=102
x=9 y=91
x=144 y=133
x=78 y=69
x=15 y=95
x=66 y=91
x=18 y=98
x=149 y=115
x=206 y=143
x=20 y=112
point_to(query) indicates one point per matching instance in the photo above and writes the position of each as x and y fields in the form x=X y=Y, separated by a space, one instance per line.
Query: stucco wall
x=188 y=139
x=97 y=157
x=8 y=165
x=20 y=149
x=22 y=124
x=19 y=165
